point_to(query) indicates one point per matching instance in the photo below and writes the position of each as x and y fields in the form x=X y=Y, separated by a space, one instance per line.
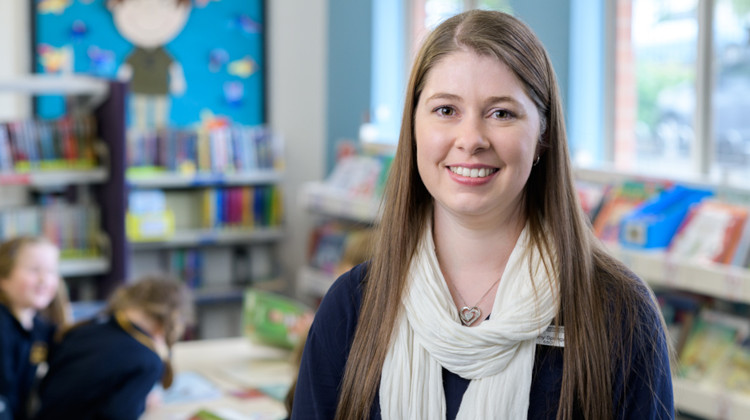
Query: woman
x=487 y=296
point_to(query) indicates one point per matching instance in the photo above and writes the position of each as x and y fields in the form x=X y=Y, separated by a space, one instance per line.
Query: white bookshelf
x=331 y=202
x=177 y=180
x=708 y=401
x=54 y=84
x=84 y=267
x=662 y=270
x=197 y=237
x=52 y=178
x=658 y=268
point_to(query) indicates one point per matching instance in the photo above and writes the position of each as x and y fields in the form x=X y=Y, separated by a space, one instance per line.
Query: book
x=653 y=223
x=710 y=232
x=190 y=386
x=591 y=195
x=711 y=345
x=741 y=257
x=607 y=223
x=273 y=319
x=617 y=203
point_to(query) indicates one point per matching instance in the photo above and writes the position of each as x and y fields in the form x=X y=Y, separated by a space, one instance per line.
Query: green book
x=274 y=319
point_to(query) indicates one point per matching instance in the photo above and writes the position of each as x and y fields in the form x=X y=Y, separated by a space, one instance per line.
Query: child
x=29 y=286
x=106 y=367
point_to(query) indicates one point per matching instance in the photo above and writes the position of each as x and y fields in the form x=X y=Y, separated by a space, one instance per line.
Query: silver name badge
x=552 y=336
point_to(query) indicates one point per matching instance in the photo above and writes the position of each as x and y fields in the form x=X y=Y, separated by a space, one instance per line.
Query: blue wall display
x=186 y=61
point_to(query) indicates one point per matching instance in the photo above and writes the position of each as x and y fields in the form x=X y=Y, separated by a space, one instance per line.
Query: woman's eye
x=445 y=111
x=502 y=114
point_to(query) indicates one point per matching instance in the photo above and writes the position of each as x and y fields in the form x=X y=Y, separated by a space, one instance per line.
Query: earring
x=536 y=161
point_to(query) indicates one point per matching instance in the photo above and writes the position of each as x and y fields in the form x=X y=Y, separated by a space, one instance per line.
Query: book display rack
x=64 y=179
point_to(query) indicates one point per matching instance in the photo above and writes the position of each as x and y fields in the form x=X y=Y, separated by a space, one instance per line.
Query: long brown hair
x=595 y=290
x=58 y=311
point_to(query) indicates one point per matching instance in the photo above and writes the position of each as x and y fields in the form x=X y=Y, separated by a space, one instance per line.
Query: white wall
x=297 y=55
x=15 y=32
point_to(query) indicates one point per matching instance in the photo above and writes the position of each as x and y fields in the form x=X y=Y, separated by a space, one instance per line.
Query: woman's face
x=33 y=282
x=476 y=134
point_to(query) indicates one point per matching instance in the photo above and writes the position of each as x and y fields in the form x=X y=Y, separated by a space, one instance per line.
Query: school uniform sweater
x=21 y=352
x=100 y=371
x=648 y=394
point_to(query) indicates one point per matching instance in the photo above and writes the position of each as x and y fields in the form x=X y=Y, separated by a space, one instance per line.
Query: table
x=209 y=374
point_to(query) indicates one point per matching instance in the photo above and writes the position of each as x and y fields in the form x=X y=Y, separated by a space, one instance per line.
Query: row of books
x=251 y=264
x=244 y=207
x=218 y=148
x=711 y=339
x=73 y=228
x=689 y=223
x=65 y=143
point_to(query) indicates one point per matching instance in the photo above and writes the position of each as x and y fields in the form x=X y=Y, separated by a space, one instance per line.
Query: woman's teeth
x=472 y=173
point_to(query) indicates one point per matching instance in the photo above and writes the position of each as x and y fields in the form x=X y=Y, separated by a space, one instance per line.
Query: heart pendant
x=469 y=315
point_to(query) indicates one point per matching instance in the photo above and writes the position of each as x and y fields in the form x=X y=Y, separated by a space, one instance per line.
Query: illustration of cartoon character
x=152 y=72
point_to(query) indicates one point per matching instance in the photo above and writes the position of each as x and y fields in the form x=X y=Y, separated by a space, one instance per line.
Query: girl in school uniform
x=105 y=368
x=33 y=303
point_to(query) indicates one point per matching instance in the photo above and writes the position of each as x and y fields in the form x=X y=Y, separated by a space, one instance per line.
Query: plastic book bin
x=653 y=223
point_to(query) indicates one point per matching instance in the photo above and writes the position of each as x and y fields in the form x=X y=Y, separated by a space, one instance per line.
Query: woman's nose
x=471 y=136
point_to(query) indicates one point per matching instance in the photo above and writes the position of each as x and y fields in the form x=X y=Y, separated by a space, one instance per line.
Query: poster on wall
x=185 y=60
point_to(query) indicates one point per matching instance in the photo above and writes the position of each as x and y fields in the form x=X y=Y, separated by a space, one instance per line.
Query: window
x=427 y=14
x=682 y=87
x=392 y=56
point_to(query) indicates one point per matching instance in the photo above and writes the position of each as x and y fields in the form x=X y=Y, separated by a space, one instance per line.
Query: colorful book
x=711 y=344
x=274 y=319
x=710 y=232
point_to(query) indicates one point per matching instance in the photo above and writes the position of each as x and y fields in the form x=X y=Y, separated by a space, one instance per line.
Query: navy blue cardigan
x=649 y=394
x=21 y=351
x=99 y=371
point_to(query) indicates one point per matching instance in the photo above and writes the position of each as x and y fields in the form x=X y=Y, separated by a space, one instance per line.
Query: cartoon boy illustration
x=153 y=73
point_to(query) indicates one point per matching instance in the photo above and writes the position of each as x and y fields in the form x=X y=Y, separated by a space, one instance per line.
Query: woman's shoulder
x=338 y=312
x=346 y=291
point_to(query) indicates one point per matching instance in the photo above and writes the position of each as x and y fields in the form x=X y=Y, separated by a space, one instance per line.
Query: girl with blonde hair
x=33 y=305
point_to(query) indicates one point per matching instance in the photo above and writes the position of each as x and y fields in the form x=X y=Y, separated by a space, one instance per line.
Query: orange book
x=607 y=222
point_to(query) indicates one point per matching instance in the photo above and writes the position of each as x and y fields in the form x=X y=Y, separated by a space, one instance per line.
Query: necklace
x=470 y=315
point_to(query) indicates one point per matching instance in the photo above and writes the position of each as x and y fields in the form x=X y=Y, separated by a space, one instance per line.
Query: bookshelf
x=215 y=227
x=666 y=271
x=96 y=184
x=659 y=268
x=331 y=203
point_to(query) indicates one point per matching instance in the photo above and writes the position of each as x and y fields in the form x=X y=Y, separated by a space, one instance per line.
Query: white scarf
x=497 y=355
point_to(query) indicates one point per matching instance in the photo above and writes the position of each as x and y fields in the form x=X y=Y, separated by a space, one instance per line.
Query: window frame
x=702 y=150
